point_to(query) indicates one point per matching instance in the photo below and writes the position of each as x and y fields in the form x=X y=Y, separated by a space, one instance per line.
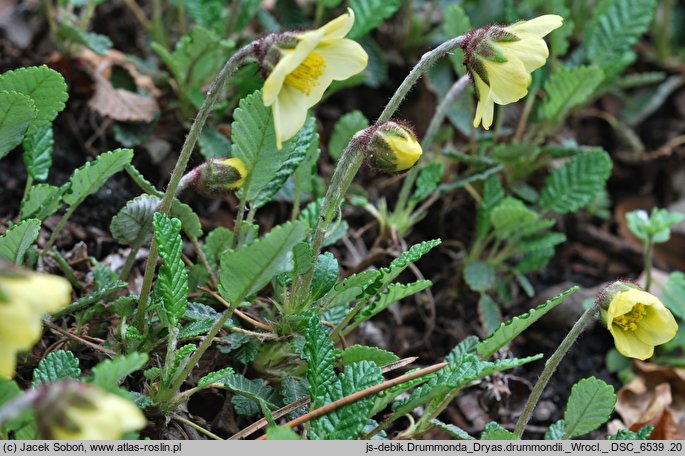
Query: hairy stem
x=649 y=247
x=551 y=366
x=238 y=59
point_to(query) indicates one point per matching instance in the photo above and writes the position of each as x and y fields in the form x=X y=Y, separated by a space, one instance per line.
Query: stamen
x=306 y=76
x=629 y=321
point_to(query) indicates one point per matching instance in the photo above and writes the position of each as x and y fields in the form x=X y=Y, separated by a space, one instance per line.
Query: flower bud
x=637 y=320
x=71 y=410
x=217 y=176
x=393 y=147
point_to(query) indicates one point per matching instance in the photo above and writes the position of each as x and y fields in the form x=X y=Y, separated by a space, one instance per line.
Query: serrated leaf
x=38 y=144
x=42 y=201
x=190 y=221
x=195 y=328
x=293 y=390
x=507 y=331
x=394 y=293
x=214 y=144
x=180 y=356
x=133 y=223
x=110 y=373
x=17 y=112
x=325 y=275
x=349 y=124
x=493 y=194
x=369 y=14
x=479 y=275
x=44 y=86
x=252 y=389
x=318 y=350
x=294 y=152
x=617 y=28
x=673 y=294
x=452 y=430
x=590 y=405
x=356 y=353
x=99 y=44
x=254 y=142
x=573 y=185
x=567 y=88
x=428 y=180
x=462 y=349
x=494 y=431
x=88 y=179
x=210 y=14
x=535 y=260
x=250 y=267
x=508 y=217
x=216 y=243
x=172 y=280
x=56 y=366
x=456 y=23
x=542 y=241
x=215 y=377
x=555 y=431
x=94 y=297
x=626 y=434
x=18 y=239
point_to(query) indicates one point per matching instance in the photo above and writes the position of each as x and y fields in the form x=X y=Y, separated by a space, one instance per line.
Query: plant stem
x=551 y=366
x=197 y=427
x=27 y=188
x=58 y=228
x=238 y=224
x=236 y=60
x=649 y=248
x=16 y=407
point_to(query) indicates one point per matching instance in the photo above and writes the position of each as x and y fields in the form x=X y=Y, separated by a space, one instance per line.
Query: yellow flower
x=393 y=147
x=638 y=321
x=89 y=413
x=24 y=298
x=303 y=72
x=501 y=60
x=237 y=169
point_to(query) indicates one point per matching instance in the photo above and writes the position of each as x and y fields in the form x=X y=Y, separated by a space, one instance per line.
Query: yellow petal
x=540 y=26
x=289 y=61
x=338 y=27
x=8 y=361
x=628 y=344
x=344 y=58
x=407 y=151
x=509 y=80
x=657 y=327
x=290 y=113
x=530 y=50
x=486 y=108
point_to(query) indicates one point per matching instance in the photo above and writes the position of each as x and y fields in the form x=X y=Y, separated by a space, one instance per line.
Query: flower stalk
x=242 y=56
x=551 y=366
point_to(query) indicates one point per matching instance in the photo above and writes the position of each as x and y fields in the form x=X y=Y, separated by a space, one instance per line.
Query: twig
x=73 y=336
x=242 y=315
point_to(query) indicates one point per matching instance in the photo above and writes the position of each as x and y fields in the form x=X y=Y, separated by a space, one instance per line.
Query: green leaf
x=173 y=277
x=452 y=430
x=38 y=144
x=294 y=151
x=257 y=390
x=215 y=377
x=318 y=350
x=535 y=260
x=542 y=241
x=56 y=366
x=509 y=330
x=42 y=201
x=17 y=111
x=132 y=225
x=655 y=227
x=493 y=194
x=573 y=185
x=347 y=422
x=281 y=433
x=18 y=239
x=90 y=177
x=369 y=14
x=254 y=142
x=248 y=10
x=357 y=353
x=99 y=44
x=556 y=430
x=195 y=328
x=456 y=23
x=189 y=219
x=428 y=180
x=94 y=297
x=394 y=293
x=44 y=86
x=250 y=267
x=489 y=313
x=216 y=243
x=461 y=350
x=616 y=28
x=180 y=356
x=626 y=434
x=673 y=294
x=509 y=216
x=479 y=275
x=108 y=374
x=567 y=88
x=210 y=14
x=214 y=144
x=325 y=275
x=590 y=405
x=349 y=124
x=293 y=390
x=494 y=431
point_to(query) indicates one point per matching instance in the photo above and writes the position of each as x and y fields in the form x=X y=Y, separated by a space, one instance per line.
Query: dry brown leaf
x=120 y=104
x=655 y=396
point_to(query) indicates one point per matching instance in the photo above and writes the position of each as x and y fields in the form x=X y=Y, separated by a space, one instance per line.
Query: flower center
x=306 y=76
x=629 y=321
